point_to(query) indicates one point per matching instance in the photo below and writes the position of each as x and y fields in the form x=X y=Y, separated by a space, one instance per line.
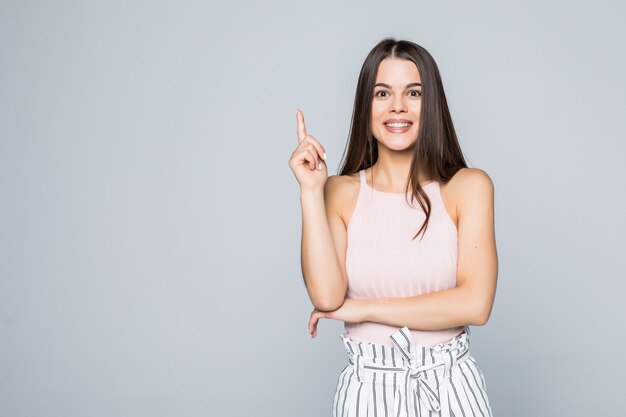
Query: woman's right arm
x=324 y=245
x=323 y=232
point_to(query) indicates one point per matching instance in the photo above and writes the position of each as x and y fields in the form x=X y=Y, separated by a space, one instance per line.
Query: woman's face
x=397 y=98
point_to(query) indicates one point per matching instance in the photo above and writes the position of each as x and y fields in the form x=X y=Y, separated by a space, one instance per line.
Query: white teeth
x=398 y=124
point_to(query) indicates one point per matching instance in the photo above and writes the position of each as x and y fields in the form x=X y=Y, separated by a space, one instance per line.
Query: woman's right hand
x=306 y=161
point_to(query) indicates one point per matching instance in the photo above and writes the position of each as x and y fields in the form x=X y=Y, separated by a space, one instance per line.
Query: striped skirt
x=406 y=380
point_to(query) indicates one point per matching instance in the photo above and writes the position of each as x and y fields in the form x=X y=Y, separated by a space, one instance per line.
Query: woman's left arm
x=471 y=301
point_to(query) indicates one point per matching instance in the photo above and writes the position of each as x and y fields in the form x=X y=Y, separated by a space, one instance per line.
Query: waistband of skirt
x=405 y=350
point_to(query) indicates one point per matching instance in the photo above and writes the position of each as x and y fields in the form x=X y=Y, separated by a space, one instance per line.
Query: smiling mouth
x=398 y=125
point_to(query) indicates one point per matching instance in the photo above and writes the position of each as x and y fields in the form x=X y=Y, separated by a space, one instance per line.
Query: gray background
x=150 y=225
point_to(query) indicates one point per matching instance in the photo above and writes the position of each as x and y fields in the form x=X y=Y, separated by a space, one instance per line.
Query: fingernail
x=319 y=167
x=324 y=156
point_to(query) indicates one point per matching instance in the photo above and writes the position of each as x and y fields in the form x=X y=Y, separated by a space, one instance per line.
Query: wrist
x=312 y=193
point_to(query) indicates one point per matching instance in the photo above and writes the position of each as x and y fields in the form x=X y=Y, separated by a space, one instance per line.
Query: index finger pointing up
x=301 y=128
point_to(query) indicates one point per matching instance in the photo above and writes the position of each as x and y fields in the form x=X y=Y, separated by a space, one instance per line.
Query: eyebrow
x=388 y=86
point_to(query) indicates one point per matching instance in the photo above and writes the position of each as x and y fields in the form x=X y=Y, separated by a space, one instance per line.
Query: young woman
x=400 y=246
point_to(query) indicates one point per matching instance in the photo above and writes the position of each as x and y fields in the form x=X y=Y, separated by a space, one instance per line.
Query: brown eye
x=415 y=91
x=377 y=94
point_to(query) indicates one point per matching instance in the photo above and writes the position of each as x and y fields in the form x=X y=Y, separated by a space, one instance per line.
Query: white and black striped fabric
x=406 y=380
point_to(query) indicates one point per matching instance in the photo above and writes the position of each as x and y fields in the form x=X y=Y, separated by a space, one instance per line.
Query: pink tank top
x=383 y=261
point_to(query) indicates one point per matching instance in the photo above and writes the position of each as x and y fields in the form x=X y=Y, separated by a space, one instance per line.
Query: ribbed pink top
x=383 y=261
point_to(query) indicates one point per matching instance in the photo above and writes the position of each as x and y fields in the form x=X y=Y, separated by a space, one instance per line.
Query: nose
x=398 y=104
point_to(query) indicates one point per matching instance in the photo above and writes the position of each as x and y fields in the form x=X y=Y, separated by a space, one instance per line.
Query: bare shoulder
x=471 y=177
x=340 y=194
x=470 y=186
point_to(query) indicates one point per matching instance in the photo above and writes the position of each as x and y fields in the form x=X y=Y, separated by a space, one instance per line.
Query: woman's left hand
x=351 y=311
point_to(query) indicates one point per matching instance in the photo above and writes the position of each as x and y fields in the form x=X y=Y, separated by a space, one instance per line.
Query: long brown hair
x=436 y=149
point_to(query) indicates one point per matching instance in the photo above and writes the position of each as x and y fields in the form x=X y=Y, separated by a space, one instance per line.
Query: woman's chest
x=387 y=262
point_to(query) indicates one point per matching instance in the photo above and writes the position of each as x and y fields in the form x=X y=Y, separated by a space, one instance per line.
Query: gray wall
x=150 y=224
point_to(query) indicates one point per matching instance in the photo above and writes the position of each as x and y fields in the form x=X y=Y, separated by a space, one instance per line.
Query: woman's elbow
x=327 y=305
x=481 y=316
x=330 y=302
